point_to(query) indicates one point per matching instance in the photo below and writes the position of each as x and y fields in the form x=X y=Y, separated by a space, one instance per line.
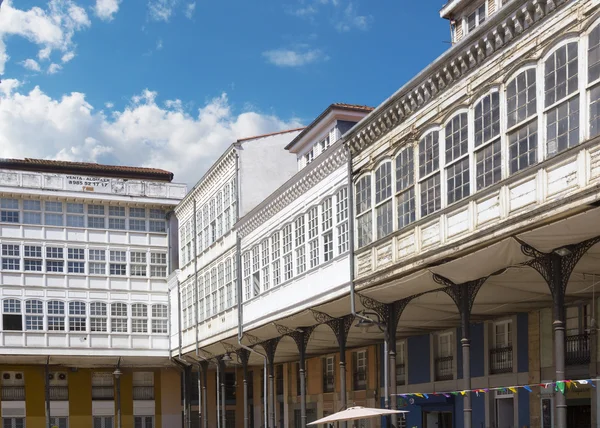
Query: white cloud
x=161 y=10
x=109 y=105
x=68 y=57
x=294 y=58
x=31 y=64
x=159 y=44
x=190 y=9
x=54 y=68
x=51 y=29
x=144 y=133
x=350 y=20
x=106 y=9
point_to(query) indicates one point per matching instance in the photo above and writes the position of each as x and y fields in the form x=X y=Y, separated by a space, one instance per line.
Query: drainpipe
x=47 y=391
x=184 y=366
x=240 y=325
x=117 y=374
x=218 y=395
x=352 y=291
x=196 y=291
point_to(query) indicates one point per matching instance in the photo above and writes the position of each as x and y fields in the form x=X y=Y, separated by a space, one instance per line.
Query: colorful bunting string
x=561 y=385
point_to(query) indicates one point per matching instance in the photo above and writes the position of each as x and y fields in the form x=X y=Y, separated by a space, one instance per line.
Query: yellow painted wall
x=170 y=397
x=126 y=399
x=35 y=401
x=157 y=399
x=80 y=398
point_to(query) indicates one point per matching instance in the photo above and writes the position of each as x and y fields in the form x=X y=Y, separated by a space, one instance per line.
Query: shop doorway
x=437 y=419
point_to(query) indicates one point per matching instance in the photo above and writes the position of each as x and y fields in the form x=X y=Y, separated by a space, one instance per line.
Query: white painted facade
x=560 y=174
x=84 y=263
x=246 y=173
x=294 y=245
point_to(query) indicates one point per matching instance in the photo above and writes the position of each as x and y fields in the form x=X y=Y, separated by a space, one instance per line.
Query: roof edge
x=338 y=106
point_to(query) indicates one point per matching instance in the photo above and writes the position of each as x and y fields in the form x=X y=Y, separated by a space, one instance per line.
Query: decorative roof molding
x=461 y=59
x=298 y=185
x=212 y=179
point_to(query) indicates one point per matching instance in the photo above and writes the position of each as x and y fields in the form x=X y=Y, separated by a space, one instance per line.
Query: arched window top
x=594 y=54
x=159 y=311
x=521 y=97
x=118 y=309
x=34 y=307
x=487 y=118
x=429 y=153
x=363 y=194
x=98 y=309
x=139 y=310
x=560 y=73
x=405 y=169
x=56 y=307
x=76 y=308
x=11 y=306
x=383 y=181
x=457 y=136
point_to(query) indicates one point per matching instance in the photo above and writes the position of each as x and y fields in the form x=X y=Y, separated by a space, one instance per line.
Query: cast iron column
x=340 y=327
x=301 y=337
x=243 y=356
x=389 y=314
x=204 y=369
x=222 y=386
x=556 y=268
x=270 y=346
x=463 y=296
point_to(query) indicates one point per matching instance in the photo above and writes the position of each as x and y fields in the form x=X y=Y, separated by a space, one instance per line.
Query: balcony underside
x=511 y=288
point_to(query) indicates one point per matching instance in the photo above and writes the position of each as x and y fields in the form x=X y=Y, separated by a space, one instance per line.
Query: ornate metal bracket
x=389 y=313
x=464 y=294
x=556 y=269
x=300 y=336
x=229 y=347
x=339 y=326
x=253 y=339
x=243 y=356
x=270 y=346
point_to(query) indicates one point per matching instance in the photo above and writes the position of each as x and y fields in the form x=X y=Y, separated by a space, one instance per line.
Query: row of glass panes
x=313 y=238
x=99 y=316
x=213 y=219
x=116 y=264
x=216 y=292
x=543 y=110
x=29 y=211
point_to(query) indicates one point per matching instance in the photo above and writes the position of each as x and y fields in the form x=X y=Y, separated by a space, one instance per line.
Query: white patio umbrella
x=354 y=413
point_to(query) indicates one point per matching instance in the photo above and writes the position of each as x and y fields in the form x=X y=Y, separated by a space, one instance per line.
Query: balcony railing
x=360 y=380
x=328 y=383
x=103 y=393
x=400 y=374
x=13 y=393
x=59 y=393
x=443 y=368
x=143 y=393
x=577 y=349
x=501 y=360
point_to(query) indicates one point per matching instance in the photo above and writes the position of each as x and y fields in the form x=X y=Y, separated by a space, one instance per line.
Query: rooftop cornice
x=507 y=25
x=212 y=178
x=295 y=187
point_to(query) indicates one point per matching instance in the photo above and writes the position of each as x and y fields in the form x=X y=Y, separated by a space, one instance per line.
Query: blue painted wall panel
x=459 y=359
x=418 y=359
x=477 y=350
x=522 y=343
x=523 y=397
x=478 y=406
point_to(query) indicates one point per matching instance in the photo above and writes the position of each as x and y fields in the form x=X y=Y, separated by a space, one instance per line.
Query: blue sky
x=106 y=80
